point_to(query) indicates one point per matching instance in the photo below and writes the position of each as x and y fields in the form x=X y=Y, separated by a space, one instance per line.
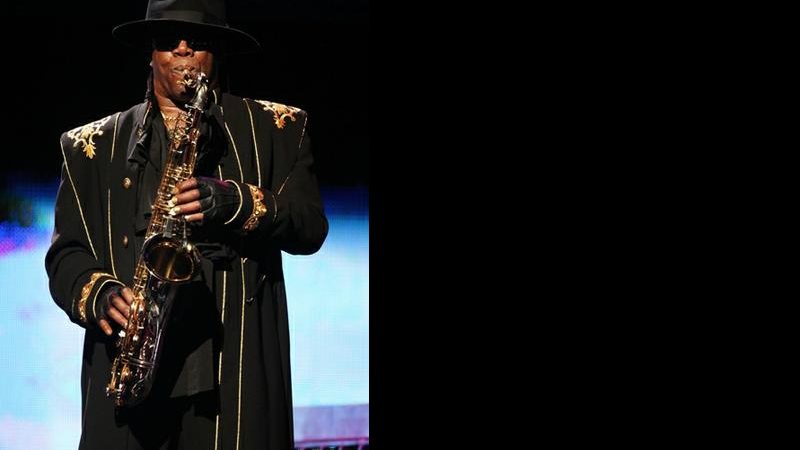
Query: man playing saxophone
x=223 y=380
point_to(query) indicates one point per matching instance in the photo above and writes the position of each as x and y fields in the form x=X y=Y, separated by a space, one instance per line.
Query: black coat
x=95 y=227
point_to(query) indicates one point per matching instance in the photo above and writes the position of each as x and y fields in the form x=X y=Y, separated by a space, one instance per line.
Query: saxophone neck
x=200 y=98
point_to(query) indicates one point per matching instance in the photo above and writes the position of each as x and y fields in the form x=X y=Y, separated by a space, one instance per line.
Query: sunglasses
x=170 y=42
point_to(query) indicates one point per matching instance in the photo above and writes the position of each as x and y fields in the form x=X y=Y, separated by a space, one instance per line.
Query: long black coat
x=267 y=146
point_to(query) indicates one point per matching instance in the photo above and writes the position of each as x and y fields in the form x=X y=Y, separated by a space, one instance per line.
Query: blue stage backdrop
x=40 y=349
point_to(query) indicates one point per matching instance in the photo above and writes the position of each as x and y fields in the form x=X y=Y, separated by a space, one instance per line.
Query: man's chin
x=182 y=95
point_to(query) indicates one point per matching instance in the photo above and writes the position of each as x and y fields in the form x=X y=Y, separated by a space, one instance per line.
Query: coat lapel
x=123 y=190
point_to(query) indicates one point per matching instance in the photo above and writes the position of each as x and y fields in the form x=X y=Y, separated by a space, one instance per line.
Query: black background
x=66 y=70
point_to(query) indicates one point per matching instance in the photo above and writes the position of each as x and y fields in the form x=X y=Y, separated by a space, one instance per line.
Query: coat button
x=126 y=183
x=125 y=241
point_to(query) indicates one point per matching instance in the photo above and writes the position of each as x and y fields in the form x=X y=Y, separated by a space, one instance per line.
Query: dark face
x=173 y=58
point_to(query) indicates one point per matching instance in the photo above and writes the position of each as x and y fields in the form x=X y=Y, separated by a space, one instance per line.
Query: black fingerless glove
x=224 y=202
x=104 y=300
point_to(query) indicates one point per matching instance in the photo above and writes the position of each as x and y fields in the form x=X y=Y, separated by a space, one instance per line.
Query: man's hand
x=117 y=309
x=208 y=201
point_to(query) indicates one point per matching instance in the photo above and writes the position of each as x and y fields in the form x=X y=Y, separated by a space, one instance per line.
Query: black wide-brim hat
x=206 y=17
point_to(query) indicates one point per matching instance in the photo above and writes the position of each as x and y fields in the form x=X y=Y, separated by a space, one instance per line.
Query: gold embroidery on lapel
x=279 y=112
x=85 y=136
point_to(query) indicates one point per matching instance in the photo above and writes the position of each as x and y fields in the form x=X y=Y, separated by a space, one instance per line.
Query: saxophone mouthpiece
x=188 y=80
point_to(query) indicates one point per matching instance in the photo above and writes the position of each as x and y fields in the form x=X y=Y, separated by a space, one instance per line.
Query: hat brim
x=139 y=34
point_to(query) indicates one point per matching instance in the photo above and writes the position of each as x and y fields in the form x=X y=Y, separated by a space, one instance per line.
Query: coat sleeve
x=295 y=219
x=75 y=271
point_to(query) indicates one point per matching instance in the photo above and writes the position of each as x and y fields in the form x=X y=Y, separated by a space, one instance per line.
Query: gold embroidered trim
x=85 y=135
x=255 y=142
x=78 y=201
x=259 y=208
x=279 y=112
x=235 y=152
x=85 y=291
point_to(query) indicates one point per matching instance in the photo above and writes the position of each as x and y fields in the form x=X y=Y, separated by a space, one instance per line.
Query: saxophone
x=166 y=260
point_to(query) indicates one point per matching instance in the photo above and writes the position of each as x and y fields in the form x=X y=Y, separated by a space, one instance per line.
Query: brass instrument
x=166 y=260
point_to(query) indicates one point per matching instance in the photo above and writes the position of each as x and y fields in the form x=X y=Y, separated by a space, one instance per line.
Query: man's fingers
x=191 y=183
x=104 y=325
x=127 y=294
x=186 y=196
x=117 y=316
x=121 y=306
x=194 y=217
x=192 y=207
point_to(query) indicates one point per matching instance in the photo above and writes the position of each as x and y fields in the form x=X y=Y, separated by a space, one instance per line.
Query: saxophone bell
x=169 y=259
